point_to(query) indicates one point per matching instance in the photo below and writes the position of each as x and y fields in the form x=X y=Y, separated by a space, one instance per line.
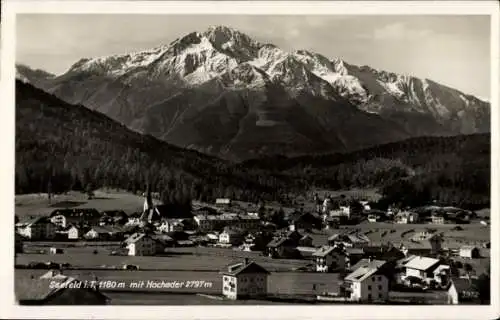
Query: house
x=404 y=217
x=244 y=280
x=366 y=283
x=470 y=252
x=427 y=269
x=461 y=291
x=113 y=217
x=69 y=233
x=104 y=233
x=232 y=236
x=424 y=243
x=140 y=244
x=281 y=248
x=306 y=241
x=169 y=225
x=78 y=216
x=366 y=205
x=67 y=291
x=222 y=202
x=40 y=228
x=206 y=223
x=304 y=220
x=324 y=259
x=437 y=219
x=354 y=240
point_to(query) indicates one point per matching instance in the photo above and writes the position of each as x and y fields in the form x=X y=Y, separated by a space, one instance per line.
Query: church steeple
x=148 y=206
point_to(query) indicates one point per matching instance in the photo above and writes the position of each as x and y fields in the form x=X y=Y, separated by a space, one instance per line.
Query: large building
x=324 y=259
x=244 y=280
x=40 y=228
x=140 y=244
x=65 y=217
x=367 y=283
x=206 y=223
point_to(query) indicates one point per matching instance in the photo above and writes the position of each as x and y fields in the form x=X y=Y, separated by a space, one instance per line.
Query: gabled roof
x=462 y=284
x=36 y=220
x=368 y=263
x=354 y=250
x=468 y=247
x=239 y=268
x=323 y=251
x=106 y=229
x=421 y=263
x=277 y=242
x=361 y=273
x=134 y=238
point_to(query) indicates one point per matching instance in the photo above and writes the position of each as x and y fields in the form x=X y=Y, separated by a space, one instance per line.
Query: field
x=286 y=283
x=206 y=259
x=472 y=234
x=37 y=204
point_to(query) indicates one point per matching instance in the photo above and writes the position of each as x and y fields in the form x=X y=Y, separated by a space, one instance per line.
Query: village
x=336 y=250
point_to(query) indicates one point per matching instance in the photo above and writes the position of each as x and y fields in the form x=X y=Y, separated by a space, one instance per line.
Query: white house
x=346 y=210
x=244 y=280
x=170 y=225
x=324 y=258
x=231 y=236
x=404 y=217
x=367 y=283
x=424 y=268
x=470 y=252
x=366 y=206
x=59 y=220
x=140 y=244
x=437 y=219
x=223 y=201
x=40 y=228
x=73 y=233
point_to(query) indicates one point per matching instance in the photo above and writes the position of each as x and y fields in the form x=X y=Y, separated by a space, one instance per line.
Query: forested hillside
x=62 y=147
x=449 y=170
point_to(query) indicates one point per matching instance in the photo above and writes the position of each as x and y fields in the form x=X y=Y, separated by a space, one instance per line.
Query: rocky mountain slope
x=223 y=93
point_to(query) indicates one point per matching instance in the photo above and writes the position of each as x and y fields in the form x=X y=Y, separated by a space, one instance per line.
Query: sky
x=452 y=50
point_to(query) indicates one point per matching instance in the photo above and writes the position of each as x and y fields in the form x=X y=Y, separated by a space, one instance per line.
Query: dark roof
x=36 y=220
x=107 y=229
x=173 y=211
x=277 y=242
x=462 y=284
x=238 y=268
x=32 y=289
x=28 y=289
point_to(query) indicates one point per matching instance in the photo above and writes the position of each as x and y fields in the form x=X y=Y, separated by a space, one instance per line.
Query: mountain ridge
x=242 y=83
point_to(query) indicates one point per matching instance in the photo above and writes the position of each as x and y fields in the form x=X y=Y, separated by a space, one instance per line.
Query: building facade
x=244 y=280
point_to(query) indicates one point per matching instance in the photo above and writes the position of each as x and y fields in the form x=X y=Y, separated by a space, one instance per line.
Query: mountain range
x=223 y=93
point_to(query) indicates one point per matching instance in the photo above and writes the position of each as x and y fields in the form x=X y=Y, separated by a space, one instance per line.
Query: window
x=379 y=278
x=380 y=295
x=380 y=287
x=369 y=296
x=369 y=287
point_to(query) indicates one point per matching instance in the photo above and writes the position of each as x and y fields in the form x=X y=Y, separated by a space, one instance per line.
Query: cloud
x=396 y=31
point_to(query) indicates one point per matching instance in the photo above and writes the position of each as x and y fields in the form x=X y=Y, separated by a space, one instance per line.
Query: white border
x=9 y=10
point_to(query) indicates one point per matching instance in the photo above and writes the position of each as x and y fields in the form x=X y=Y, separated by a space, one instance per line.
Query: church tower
x=148 y=207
